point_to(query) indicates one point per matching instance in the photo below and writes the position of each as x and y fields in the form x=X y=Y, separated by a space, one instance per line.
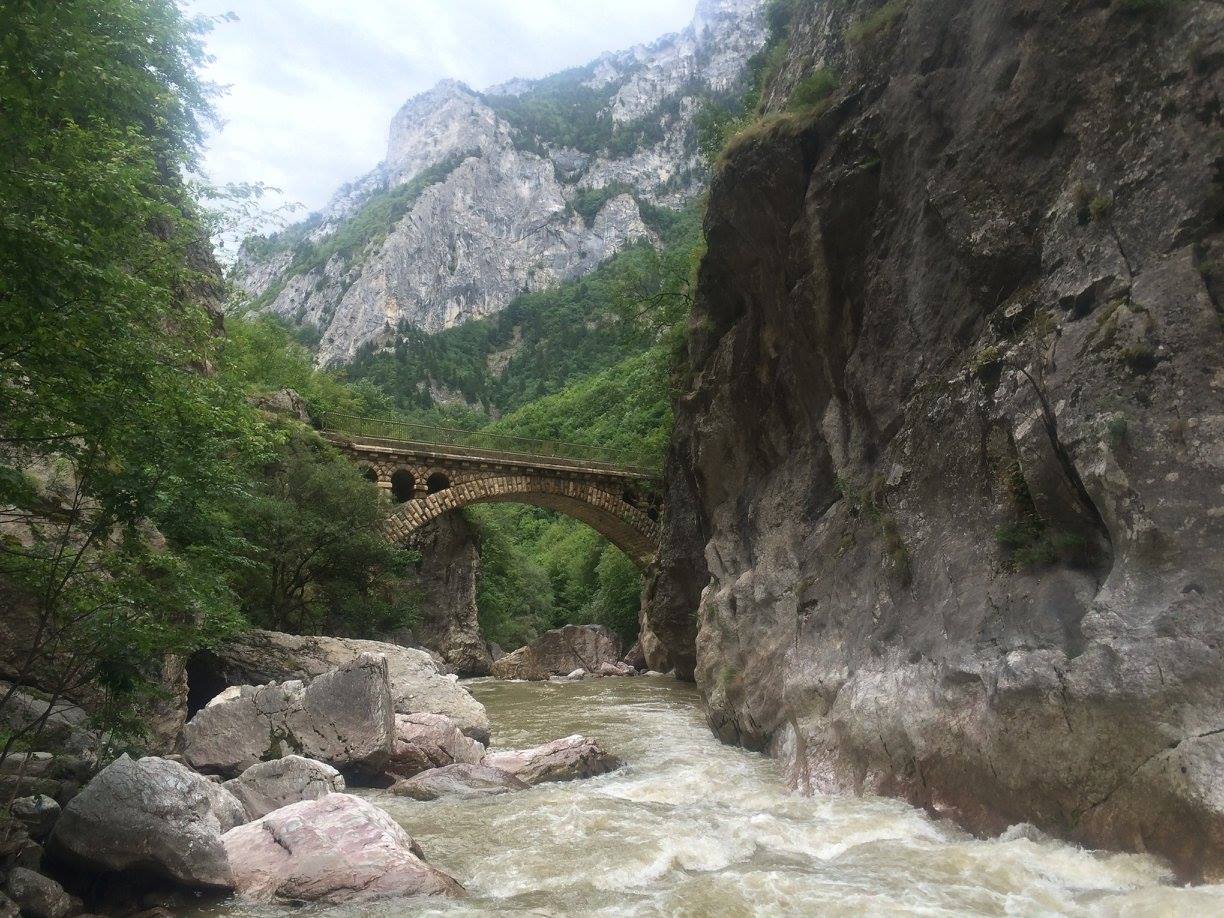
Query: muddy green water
x=692 y=828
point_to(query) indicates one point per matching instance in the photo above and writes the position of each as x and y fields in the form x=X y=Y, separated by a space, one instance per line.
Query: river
x=689 y=827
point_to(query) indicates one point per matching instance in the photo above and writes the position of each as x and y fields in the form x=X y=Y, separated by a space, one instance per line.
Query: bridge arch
x=607 y=512
x=403 y=485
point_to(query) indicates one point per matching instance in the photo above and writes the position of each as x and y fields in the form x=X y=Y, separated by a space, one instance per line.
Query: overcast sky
x=313 y=83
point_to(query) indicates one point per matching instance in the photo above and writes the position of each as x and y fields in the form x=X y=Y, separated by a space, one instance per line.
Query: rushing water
x=692 y=828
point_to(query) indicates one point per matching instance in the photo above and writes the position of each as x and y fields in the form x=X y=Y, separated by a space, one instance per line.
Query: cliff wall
x=947 y=483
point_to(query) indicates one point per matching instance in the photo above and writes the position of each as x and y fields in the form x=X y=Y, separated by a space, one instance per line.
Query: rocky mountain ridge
x=485 y=196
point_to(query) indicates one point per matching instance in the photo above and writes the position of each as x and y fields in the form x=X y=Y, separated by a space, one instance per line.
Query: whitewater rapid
x=689 y=827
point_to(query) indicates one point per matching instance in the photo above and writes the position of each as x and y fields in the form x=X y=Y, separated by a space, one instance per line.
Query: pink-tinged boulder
x=343 y=717
x=424 y=741
x=462 y=781
x=337 y=849
x=151 y=816
x=561 y=760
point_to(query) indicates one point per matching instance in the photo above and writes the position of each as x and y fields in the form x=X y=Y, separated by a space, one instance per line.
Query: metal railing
x=499 y=445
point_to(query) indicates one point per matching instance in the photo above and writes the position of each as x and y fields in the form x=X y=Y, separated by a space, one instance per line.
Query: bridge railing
x=509 y=446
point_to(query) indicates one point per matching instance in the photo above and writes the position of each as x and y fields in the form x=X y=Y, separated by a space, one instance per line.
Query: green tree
x=318 y=559
x=116 y=443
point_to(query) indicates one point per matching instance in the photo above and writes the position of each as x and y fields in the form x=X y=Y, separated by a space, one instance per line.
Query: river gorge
x=692 y=827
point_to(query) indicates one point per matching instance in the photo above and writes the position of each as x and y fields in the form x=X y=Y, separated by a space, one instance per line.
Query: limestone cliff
x=947 y=484
x=485 y=196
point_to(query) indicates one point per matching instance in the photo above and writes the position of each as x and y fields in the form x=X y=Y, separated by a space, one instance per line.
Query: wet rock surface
x=561 y=760
x=259 y=657
x=425 y=741
x=559 y=652
x=151 y=816
x=461 y=781
x=270 y=785
x=337 y=849
x=343 y=717
x=946 y=484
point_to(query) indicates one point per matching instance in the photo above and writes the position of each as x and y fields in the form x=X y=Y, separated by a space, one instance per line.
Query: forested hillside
x=588 y=362
x=151 y=503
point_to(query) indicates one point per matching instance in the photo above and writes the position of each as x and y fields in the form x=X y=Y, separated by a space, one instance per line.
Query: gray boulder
x=561 y=651
x=417 y=683
x=337 y=849
x=37 y=813
x=462 y=781
x=343 y=718
x=153 y=816
x=40 y=897
x=425 y=741
x=66 y=728
x=271 y=785
x=561 y=760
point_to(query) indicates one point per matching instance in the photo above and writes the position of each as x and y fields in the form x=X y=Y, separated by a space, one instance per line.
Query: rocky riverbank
x=254 y=801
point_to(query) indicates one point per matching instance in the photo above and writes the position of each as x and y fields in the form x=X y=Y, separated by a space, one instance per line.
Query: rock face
x=152 y=816
x=490 y=202
x=947 y=487
x=561 y=760
x=270 y=785
x=463 y=781
x=559 y=652
x=343 y=717
x=337 y=849
x=450 y=566
x=425 y=741
x=417 y=685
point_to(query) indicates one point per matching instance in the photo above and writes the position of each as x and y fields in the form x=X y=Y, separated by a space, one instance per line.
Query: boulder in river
x=153 y=816
x=425 y=741
x=636 y=657
x=271 y=785
x=344 y=718
x=560 y=651
x=561 y=760
x=462 y=781
x=417 y=683
x=337 y=849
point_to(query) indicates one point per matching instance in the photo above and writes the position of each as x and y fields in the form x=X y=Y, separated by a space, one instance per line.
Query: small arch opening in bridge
x=403 y=485
x=437 y=482
x=370 y=474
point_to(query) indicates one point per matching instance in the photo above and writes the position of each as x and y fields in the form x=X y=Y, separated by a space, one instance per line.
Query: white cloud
x=313 y=83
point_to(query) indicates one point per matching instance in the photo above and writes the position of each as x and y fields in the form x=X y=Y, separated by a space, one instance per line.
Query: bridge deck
x=523 y=459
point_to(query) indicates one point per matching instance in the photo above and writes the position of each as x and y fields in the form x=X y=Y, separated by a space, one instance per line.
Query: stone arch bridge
x=430 y=471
